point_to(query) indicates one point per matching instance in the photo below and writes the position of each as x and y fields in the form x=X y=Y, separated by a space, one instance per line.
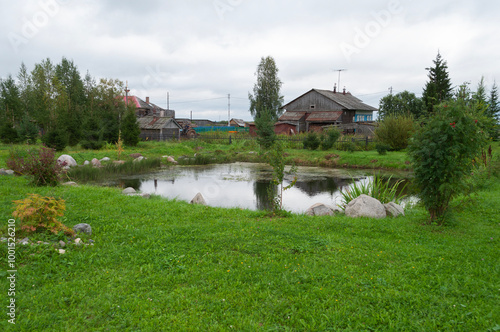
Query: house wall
x=362 y=116
x=320 y=102
x=285 y=129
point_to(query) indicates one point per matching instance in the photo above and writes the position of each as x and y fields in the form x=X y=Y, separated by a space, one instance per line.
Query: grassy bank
x=162 y=264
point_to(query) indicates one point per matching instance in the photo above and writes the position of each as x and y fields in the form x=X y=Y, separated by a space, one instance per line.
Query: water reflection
x=245 y=185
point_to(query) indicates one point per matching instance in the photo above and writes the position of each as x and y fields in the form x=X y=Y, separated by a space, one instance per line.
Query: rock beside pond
x=394 y=210
x=365 y=206
x=128 y=191
x=67 y=160
x=170 y=159
x=141 y=158
x=105 y=159
x=84 y=228
x=198 y=199
x=86 y=162
x=320 y=209
x=70 y=184
x=135 y=155
x=6 y=171
x=96 y=163
x=119 y=162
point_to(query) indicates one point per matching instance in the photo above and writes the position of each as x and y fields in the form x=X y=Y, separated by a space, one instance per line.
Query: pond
x=246 y=185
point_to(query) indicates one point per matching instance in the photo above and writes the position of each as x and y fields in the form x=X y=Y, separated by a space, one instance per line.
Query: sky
x=204 y=54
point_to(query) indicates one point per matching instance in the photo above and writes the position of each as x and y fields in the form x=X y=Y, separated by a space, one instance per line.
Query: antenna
x=339 y=70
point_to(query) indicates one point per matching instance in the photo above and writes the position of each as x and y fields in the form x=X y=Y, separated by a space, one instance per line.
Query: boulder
x=9 y=172
x=320 y=209
x=119 y=162
x=135 y=155
x=70 y=184
x=139 y=159
x=394 y=210
x=128 y=191
x=2 y=171
x=365 y=206
x=198 y=199
x=84 y=228
x=96 y=163
x=67 y=160
x=105 y=159
x=171 y=159
x=86 y=162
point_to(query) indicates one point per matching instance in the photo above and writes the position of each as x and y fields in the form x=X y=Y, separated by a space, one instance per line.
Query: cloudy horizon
x=199 y=52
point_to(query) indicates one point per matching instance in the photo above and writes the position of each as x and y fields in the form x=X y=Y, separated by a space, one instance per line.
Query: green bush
x=130 y=129
x=40 y=164
x=312 y=141
x=56 y=139
x=8 y=134
x=28 y=131
x=382 y=148
x=395 y=131
x=443 y=151
x=329 y=139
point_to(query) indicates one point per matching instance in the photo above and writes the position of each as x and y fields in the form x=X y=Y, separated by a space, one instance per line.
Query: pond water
x=245 y=185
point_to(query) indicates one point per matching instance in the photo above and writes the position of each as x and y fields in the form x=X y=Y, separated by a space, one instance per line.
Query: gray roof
x=324 y=116
x=155 y=123
x=347 y=100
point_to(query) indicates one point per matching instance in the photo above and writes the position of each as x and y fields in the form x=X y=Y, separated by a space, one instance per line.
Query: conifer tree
x=438 y=88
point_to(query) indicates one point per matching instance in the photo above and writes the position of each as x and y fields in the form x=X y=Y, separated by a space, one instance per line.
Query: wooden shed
x=155 y=128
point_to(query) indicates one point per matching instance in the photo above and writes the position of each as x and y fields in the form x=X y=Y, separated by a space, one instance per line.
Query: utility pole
x=390 y=90
x=339 y=70
x=168 y=101
x=228 y=108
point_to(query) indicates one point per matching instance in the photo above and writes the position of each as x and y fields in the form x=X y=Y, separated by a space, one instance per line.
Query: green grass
x=166 y=265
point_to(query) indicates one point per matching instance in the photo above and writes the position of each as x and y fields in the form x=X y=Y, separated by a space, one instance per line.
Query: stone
x=135 y=155
x=146 y=195
x=105 y=159
x=128 y=191
x=62 y=244
x=171 y=160
x=78 y=241
x=61 y=251
x=394 y=210
x=365 y=206
x=9 y=172
x=198 y=199
x=96 y=163
x=119 y=162
x=70 y=184
x=320 y=209
x=84 y=228
x=67 y=160
x=24 y=241
x=136 y=160
x=86 y=162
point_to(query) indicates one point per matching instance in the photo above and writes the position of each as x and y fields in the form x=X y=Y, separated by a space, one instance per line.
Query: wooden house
x=317 y=108
x=237 y=123
x=154 y=128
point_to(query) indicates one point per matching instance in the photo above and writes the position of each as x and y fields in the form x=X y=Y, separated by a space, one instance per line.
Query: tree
x=395 y=131
x=264 y=123
x=493 y=104
x=267 y=95
x=443 y=151
x=402 y=103
x=438 y=88
x=130 y=129
x=11 y=100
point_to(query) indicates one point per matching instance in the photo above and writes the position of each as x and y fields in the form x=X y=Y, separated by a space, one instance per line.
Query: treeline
x=54 y=102
x=438 y=89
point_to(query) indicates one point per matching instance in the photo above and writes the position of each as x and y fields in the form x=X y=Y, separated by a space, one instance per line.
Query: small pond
x=246 y=185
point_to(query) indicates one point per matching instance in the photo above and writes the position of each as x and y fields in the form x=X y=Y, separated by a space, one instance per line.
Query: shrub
x=8 y=134
x=56 y=139
x=40 y=164
x=332 y=135
x=28 y=131
x=264 y=124
x=382 y=148
x=38 y=213
x=312 y=141
x=395 y=131
x=443 y=151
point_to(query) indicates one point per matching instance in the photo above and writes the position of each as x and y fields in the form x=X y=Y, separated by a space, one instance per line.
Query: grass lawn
x=160 y=264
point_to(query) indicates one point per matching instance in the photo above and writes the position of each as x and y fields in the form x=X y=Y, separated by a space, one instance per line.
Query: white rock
x=9 y=172
x=105 y=159
x=198 y=199
x=78 y=241
x=171 y=159
x=61 y=251
x=70 y=184
x=365 y=206
x=96 y=163
x=141 y=158
x=394 y=210
x=128 y=191
x=67 y=160
x=320 y=209
x=86 y=162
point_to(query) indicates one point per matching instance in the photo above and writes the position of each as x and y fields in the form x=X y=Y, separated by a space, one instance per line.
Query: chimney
x=335 y=88
x=344 y=91
x=147 y=100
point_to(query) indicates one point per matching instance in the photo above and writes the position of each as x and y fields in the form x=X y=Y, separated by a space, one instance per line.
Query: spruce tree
x=438 y=88
x=130 y=129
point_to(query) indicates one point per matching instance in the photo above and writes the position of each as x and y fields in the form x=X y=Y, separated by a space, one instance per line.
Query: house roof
x=324 y=116
x=155 y=123
x=139 y=103
x=347 y=100
x=239 y=122
x=292 y=116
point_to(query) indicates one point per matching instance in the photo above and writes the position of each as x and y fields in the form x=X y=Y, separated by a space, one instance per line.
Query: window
x=313 y=107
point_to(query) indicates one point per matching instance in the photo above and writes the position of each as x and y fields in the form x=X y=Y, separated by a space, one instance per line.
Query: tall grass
x=378 y=188
x=92 y=174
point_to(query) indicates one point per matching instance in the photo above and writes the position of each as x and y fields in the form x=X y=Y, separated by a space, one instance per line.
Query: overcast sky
x=199 y=51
